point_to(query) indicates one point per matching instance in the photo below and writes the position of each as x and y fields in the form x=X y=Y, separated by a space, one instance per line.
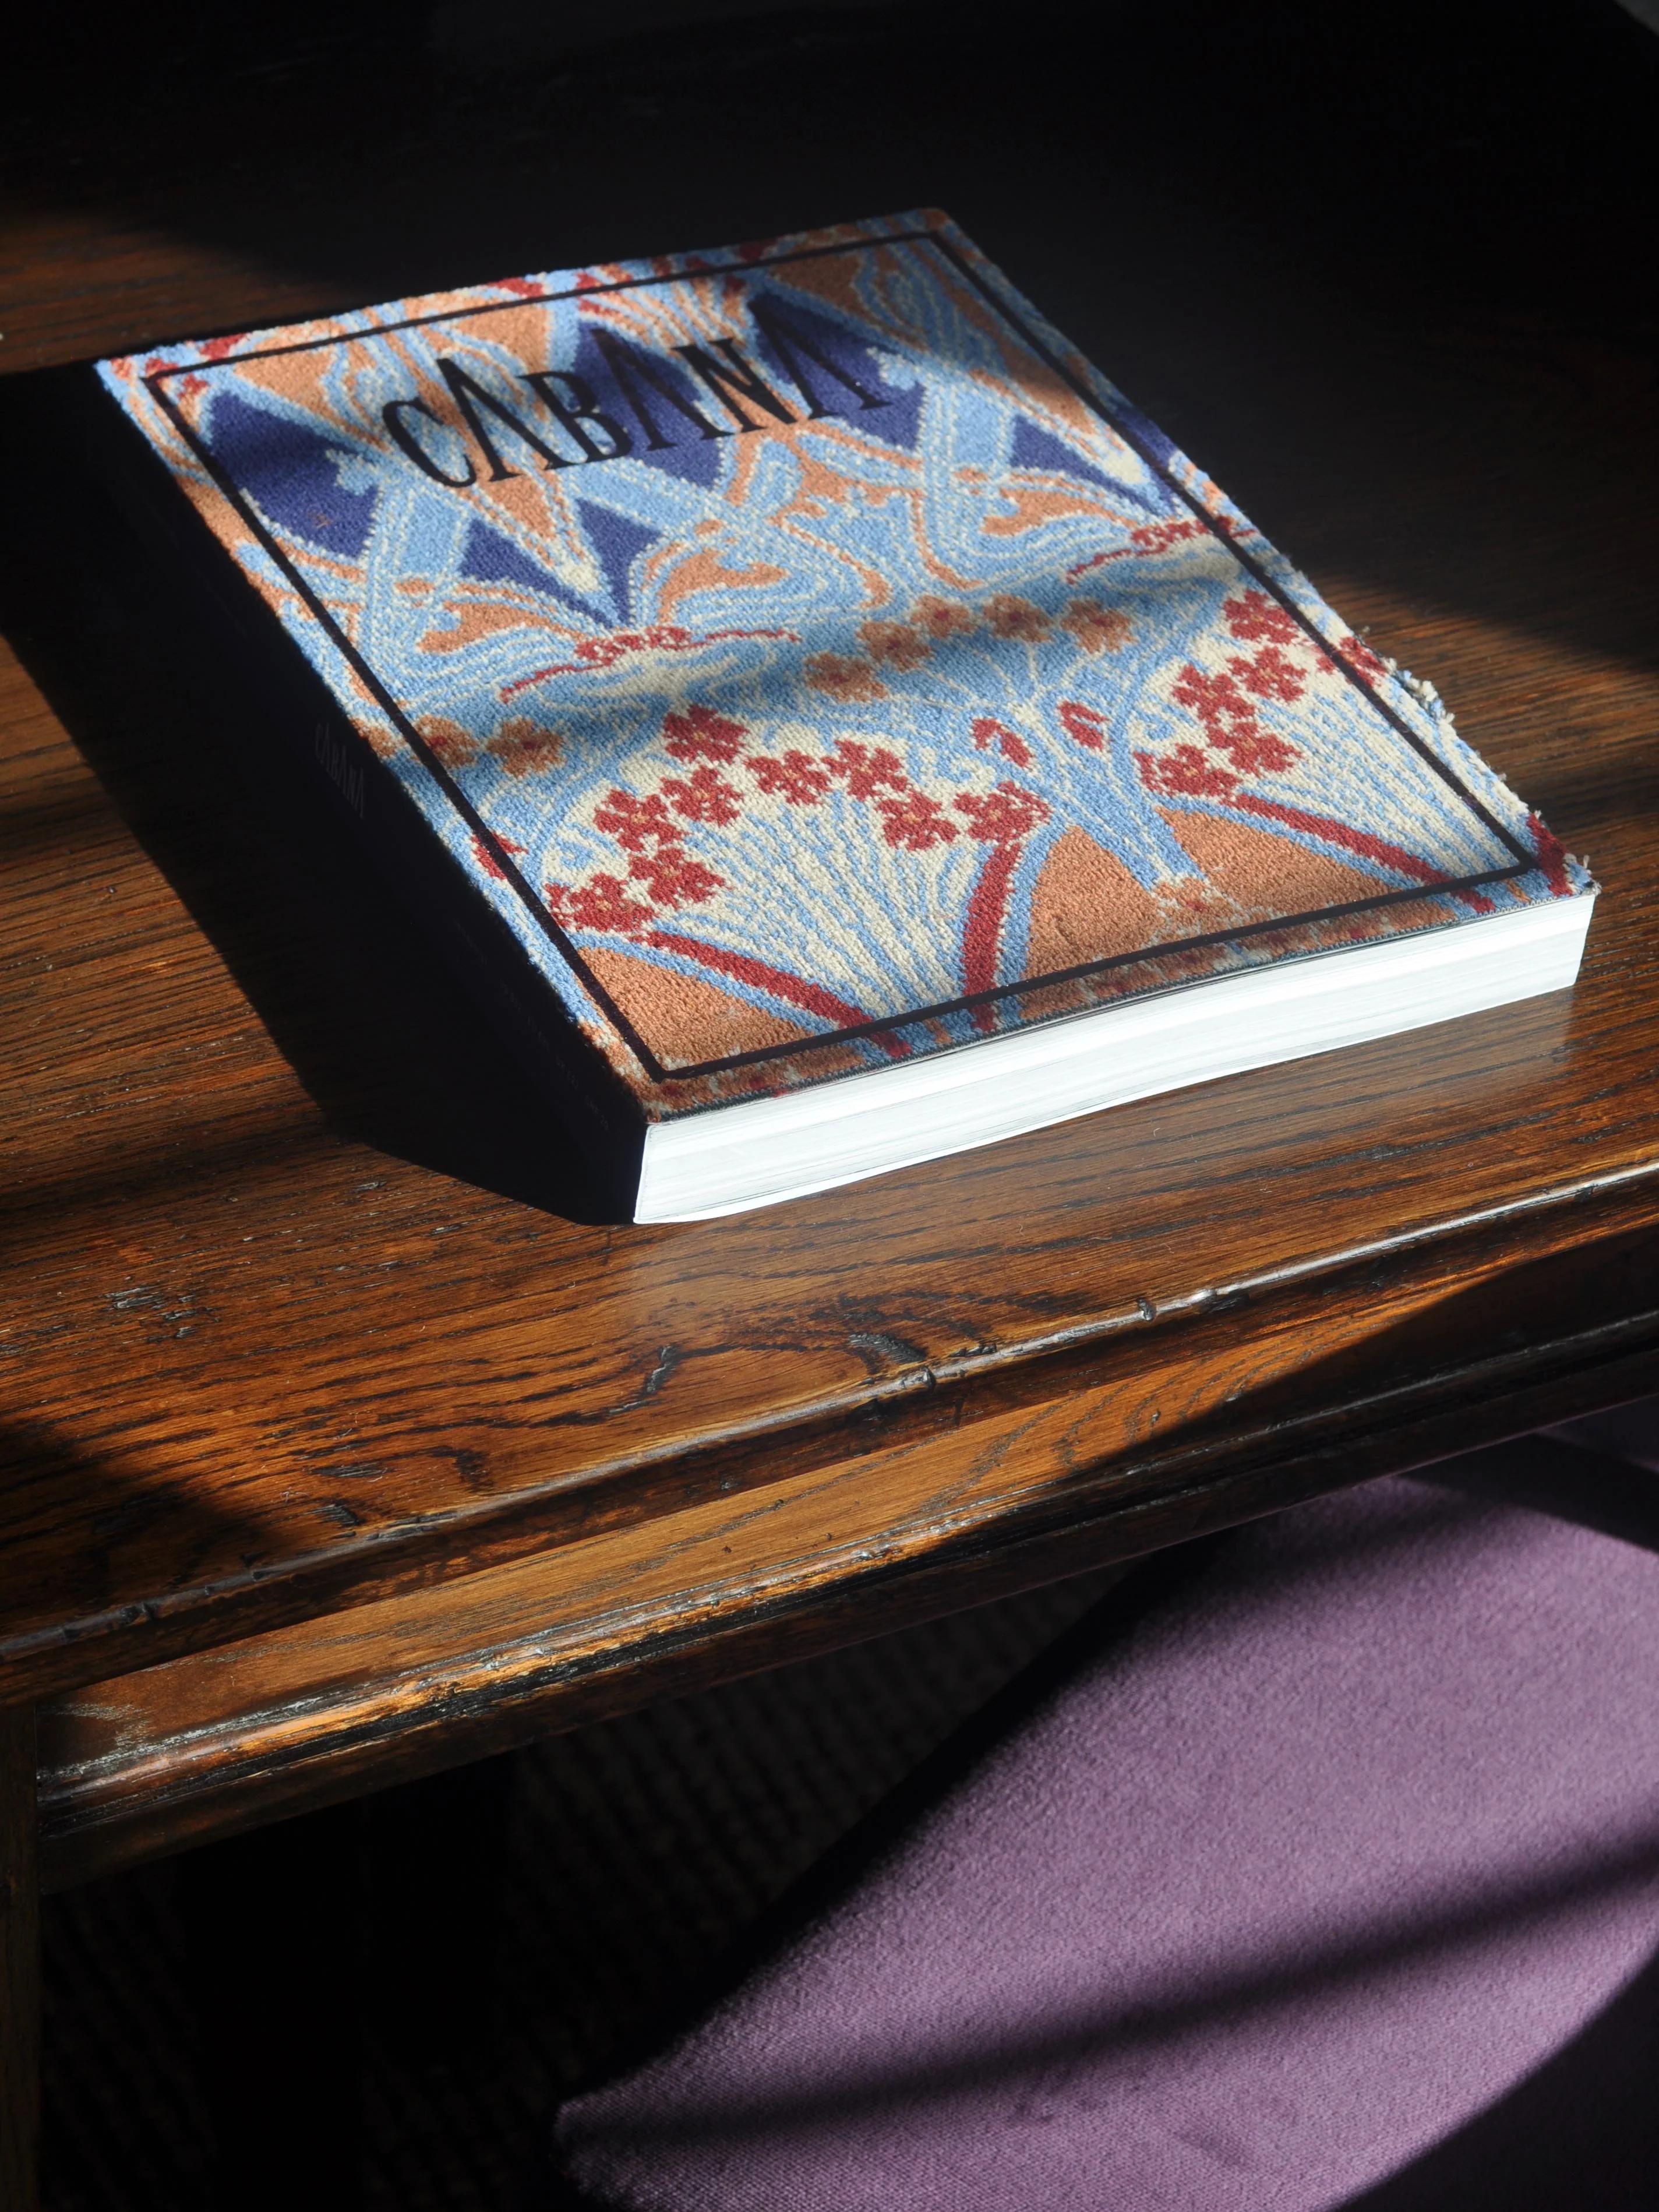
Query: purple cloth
x=1335 y=1860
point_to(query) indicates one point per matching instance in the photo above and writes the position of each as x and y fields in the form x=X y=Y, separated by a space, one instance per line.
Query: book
x=822 y=717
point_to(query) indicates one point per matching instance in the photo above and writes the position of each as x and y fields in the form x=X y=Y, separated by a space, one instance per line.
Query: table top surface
x=293 y=1312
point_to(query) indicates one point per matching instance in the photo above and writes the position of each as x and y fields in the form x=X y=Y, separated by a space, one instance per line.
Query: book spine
x=292 y=703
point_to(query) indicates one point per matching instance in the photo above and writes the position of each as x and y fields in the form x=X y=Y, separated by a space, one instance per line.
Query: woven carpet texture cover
x=815 y=659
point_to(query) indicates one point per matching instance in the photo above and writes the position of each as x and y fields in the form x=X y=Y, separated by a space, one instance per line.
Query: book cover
x=814 y=661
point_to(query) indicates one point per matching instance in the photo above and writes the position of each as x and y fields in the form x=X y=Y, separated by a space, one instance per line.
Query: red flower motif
x=453 y=745
x=1216 y=700
x=602 y=904
x=1268 y=674
x=942 y=618
x=699 y=733
x=706 y=796
x=1083 y=723
x=1257 y=752
x=1187 y=772
x=1097 y=628
x=523 y=747
x=674 y=878
x=916 y=822
x=1159 y=537
x=1004 y=817
x=1009 y=616
x=894 y=642
x=636 y=822
x=1230 y=722
x=1009 y=742
x=844 y=677
x=1254 y=619
x=867 y=768
x=800 y=779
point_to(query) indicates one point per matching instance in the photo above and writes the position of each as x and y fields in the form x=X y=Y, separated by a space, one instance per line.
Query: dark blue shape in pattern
x=1039 y=449
x=288 y=471
x=698 y=460
x=1034 y=448
x=1160 y=451
x=898 y=421
x=489 y=558
x=692 y=456
x=616 y=541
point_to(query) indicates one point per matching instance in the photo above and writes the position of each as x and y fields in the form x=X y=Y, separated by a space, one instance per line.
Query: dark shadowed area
x=603 y=1878
x=1399 y=257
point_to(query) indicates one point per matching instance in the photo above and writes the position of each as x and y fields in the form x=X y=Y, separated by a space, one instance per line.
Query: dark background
x=1401 y=258
x=1248 y=210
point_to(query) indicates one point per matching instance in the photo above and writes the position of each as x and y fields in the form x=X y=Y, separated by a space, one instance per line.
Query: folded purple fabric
x=1335 y=1860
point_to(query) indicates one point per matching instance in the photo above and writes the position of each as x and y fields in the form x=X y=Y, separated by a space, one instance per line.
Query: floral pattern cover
x=815 y=660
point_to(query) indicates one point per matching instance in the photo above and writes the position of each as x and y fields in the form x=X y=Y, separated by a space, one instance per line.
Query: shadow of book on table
x=353 y=992
x=86 y=1538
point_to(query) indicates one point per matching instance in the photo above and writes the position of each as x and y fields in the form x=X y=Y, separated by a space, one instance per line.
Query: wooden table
x=335 y=1451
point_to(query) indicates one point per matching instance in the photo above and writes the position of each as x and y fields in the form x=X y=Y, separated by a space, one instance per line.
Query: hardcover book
x=827 y=721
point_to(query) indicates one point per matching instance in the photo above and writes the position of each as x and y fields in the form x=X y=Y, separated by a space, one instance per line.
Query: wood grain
x=20 y=1965
x=1132 y=1446
x=298 y=1308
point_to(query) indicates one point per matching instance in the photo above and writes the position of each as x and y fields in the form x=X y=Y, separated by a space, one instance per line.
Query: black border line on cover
x=569 y=952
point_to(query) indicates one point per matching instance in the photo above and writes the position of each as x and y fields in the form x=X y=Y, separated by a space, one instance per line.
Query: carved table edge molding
x=919 y=1401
